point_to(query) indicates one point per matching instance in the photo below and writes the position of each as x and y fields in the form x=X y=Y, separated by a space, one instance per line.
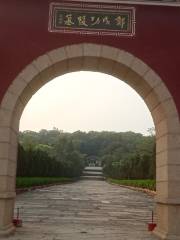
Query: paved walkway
x=85 y=210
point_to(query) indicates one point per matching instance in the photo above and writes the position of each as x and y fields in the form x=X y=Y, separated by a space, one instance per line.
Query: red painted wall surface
x=24 y=36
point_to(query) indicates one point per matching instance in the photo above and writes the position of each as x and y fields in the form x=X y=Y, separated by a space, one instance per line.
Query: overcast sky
x=86 y=101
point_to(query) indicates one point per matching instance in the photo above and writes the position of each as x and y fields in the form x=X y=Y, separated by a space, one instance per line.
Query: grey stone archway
x=124 y=66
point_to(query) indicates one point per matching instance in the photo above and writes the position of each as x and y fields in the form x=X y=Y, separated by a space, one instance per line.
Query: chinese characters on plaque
x=88 y=19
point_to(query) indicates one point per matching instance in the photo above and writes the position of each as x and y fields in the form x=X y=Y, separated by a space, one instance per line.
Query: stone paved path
x=84 y=210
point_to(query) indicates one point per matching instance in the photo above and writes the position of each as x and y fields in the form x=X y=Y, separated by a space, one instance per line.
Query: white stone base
x=6 y=231
x=164 y=235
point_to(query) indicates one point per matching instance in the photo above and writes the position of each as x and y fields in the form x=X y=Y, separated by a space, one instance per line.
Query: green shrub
x=24 y=182
x=141 y=183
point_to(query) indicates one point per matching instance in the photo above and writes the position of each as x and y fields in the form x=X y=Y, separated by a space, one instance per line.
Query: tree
x=123 y=155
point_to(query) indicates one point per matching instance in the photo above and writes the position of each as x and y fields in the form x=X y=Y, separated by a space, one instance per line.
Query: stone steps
x=87 y=173
x=92 y=173
x=93 y=178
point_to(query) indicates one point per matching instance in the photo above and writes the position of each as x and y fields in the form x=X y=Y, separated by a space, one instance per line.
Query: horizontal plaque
x=92 y=18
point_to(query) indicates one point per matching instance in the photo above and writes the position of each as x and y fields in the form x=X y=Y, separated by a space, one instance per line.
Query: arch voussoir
x=5 y=117
x=108 y=52
x=17 y=86
x=9 y=101
x=105 y=65
x=74 y=51
x=42 y=63
x=57 y=55
x=28 y=73
x=91 y=50
x=152 y=78
x=125 y=58
x=139 y=67
x=162 y=92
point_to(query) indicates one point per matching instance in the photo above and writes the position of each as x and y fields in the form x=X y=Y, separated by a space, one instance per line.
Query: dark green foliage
x=134 y=159
x=40 y=160
x=25 y=182
x=56 y=153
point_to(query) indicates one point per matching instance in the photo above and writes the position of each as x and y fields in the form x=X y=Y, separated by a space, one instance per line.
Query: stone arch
x=122 y=65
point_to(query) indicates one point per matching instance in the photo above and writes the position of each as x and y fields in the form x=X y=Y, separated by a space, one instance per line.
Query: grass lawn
x=141 y=183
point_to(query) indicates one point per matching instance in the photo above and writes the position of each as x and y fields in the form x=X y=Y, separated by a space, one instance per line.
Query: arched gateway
x=95 y=54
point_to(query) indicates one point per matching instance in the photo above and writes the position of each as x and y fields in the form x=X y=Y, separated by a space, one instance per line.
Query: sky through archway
x=87 y=101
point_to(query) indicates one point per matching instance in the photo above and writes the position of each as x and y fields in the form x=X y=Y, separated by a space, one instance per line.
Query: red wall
x=24 y=36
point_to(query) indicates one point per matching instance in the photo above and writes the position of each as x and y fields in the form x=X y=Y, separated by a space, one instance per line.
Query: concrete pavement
x=84 y=210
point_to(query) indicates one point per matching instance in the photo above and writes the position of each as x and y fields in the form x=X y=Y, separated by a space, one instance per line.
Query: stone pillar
x=6 y=214
x=168 y=222
x=8 y=155
x=168 y=187
x=7 y=196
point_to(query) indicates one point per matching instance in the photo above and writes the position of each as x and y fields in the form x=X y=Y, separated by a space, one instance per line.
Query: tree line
x=125 y=155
